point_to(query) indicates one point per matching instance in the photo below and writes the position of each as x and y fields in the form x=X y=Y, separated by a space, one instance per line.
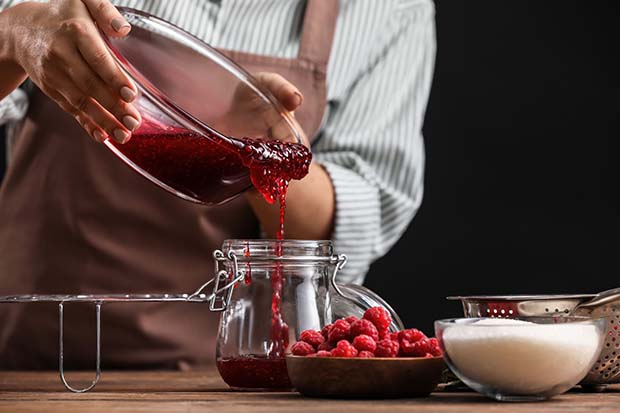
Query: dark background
x=522 y=146
x=521 y=133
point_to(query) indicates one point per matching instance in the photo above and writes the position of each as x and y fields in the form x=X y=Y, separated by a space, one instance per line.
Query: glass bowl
x=356 y=299
x=525 y=359
x=195 y=104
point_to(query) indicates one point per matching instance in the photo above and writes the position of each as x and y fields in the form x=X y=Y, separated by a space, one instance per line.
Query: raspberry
x=364 y=342
x=428 y=356
x=407 y=339
x=323 y=353
x=344 y=349
x=339 y=331
x=411 y=334
x=301 y=348
x=325 y=331
x=435 y=349
x=365 y=354
x=379 y=317
x=314 y=338
x=364 y=327
x=420 y=348
x=394 y=336
x=325 y=346
x=387 y=348
x=351 y=319
x=386 y=335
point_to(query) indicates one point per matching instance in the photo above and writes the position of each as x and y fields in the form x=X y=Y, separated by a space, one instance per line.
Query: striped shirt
x=378 y=81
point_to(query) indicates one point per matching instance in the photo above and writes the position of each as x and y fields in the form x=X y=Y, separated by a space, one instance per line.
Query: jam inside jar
x=283 y=289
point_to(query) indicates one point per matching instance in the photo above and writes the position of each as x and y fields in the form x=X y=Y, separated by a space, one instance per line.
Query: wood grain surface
x=204 y=391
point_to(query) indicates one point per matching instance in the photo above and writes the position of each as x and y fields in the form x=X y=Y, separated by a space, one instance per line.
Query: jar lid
x=197 y=85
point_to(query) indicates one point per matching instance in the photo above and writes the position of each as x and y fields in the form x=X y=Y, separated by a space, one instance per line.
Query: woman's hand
x=58 y=45
x=250 y=115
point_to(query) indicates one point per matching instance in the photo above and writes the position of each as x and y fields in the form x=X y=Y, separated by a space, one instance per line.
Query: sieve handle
x=601 y=299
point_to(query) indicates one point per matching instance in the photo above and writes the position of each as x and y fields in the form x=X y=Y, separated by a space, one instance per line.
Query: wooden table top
x=204 y=391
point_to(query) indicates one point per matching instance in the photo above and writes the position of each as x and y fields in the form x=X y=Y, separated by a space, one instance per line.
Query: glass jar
x=280 y=289
x=269 y=292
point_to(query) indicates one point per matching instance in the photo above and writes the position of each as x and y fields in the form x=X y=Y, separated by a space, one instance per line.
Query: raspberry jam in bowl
x=524 y=359
x=209 y=130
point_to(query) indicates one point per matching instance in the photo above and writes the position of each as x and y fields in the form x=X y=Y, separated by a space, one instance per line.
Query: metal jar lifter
x=606 y=304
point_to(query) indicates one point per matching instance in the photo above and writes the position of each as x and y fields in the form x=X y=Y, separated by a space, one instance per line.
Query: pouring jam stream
x=213 y=170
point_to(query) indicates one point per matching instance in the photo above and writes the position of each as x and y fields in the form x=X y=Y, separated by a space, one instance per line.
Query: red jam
x=273 y=164
x=214 y=170
x=254 y=372
x=263 y=372
x=248 y=266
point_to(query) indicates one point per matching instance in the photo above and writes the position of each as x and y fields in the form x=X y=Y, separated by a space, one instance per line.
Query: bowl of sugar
x=525 y=359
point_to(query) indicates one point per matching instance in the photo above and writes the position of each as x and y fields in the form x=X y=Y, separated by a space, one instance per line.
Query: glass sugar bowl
x=270 y=291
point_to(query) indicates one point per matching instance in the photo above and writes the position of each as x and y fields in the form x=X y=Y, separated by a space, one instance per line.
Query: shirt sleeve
x=372 y=145
x=13 y=107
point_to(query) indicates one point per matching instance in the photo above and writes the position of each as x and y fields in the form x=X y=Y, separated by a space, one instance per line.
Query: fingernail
x=127 y=94
x=131 y=123
x=98 y=136
x=119 y=24
x=121 y=136
x=300 y=98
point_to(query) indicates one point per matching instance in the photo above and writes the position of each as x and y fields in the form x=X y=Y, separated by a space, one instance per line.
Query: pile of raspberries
x=366 y=337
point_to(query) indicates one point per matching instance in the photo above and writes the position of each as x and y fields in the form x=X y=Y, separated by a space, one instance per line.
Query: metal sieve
x=606 y=304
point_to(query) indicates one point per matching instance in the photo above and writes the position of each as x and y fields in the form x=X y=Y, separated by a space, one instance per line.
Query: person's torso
x=74 y=219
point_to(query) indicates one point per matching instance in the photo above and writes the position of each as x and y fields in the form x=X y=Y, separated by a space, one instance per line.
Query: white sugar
x=519 y=357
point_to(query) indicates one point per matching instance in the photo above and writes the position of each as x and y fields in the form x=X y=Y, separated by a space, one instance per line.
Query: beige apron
x=74 y=219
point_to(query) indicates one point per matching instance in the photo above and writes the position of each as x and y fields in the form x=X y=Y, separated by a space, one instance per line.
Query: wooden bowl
x=364 y=377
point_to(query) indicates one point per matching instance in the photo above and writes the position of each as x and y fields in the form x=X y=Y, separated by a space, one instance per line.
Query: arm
x=366 y=181
x=11 y=74
x=372 y=147
x=310 y=207
x=57 y=45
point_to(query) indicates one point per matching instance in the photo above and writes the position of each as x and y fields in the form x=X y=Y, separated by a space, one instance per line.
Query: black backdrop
x=522 y=139
x=521 y=132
